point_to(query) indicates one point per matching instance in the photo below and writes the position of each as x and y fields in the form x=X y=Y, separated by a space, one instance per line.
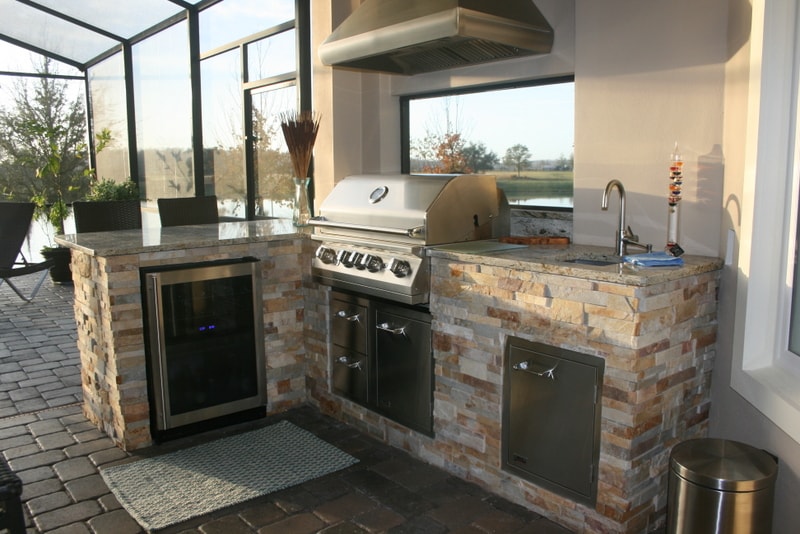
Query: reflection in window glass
x=232 y=20
x=524 y=136
x=164 y=114
x=273 y=167
x=109 y=112
x=223 y=159
x=272 y=56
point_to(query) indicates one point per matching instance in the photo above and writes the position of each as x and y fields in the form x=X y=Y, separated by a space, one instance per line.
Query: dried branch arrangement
x=300 y=131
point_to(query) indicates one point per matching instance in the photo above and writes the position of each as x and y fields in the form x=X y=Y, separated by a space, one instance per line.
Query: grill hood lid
x=416 y=36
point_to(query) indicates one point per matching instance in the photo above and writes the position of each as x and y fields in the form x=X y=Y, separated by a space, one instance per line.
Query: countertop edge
x=152 y=240
x=551 y=259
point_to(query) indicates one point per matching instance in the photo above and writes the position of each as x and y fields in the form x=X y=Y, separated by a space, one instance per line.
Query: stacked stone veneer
x=658 y=343
x=109 y=315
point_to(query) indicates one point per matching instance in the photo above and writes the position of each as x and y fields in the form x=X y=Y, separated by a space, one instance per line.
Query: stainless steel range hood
x=416 y=36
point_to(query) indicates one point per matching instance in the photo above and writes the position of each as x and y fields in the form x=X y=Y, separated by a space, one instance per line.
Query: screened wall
x=187 y=93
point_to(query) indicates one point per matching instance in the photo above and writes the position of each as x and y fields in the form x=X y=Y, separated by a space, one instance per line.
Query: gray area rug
x=177 y=486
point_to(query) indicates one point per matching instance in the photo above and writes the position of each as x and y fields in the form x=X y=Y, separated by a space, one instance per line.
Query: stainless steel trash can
x=718 y=486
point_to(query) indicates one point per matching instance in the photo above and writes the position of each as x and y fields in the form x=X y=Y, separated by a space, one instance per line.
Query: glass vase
x=301 y=212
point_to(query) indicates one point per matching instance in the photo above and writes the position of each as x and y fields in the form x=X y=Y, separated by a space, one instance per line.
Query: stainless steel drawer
x=349 y=321
x=351 y=374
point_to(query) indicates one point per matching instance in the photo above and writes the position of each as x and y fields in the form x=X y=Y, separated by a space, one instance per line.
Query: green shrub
x=106 y=189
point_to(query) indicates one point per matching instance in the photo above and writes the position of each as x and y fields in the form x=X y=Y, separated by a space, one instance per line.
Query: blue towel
x=653 y=259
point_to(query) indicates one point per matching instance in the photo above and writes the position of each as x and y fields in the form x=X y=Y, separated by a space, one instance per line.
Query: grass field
x=540 y=184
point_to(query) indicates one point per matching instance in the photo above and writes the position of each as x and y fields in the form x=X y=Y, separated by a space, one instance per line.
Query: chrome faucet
x=624 y=235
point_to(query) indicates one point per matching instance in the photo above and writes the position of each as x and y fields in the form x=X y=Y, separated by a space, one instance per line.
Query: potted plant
x=43 y=146
x=110 y=204
x=51 y=205
x=57 y=184
x=106 y=189
x=300 y=131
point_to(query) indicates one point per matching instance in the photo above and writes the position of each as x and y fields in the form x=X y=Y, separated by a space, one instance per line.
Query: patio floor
x=57 y=453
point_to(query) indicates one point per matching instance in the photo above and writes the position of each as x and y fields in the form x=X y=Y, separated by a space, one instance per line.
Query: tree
x=272 y=162
x=442 y=149
x=519 y=157
x=43 y=147
x=566 y=164
x=424 y=150
x=450 y=156
x=479 y=158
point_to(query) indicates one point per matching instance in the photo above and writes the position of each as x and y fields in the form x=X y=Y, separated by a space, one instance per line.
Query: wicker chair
x=188 y=210
x=15 y=220
x=105 y=215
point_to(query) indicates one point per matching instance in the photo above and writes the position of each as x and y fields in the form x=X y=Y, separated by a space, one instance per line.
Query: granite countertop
x=121 y=242
x=554 y=259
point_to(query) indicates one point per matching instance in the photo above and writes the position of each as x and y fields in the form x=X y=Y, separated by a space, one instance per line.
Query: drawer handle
x=346 y=361
x=542 y=370
x=355 y=318
x=386 y=327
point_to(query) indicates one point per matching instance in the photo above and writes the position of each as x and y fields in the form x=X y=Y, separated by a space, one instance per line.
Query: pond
x=554 y=202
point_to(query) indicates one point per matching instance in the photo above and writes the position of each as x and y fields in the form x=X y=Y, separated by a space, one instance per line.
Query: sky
x=16 y=59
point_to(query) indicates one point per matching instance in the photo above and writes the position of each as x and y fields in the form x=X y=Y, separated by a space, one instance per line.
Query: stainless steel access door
x=551 y=417
x=404 y=366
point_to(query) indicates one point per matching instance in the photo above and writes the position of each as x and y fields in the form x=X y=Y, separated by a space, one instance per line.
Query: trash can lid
x=723 y=464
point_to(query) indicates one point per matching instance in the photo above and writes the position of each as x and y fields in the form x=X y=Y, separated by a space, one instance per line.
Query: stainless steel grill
x=375 y=229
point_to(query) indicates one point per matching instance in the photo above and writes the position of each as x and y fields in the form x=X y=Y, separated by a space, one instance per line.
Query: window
x=107 y=89
x=231 y=20
x=245 y=52
x=248 y=81
x=765 y=371
x=523 y=135
x=162 y=88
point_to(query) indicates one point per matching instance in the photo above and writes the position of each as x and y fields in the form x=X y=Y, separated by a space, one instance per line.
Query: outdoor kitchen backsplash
x=541 y=223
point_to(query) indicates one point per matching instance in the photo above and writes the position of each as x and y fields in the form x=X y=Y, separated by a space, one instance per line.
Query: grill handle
x=541 y=370
x=416 y=232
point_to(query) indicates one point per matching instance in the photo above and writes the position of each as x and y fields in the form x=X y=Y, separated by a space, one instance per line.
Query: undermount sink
x=595 y=261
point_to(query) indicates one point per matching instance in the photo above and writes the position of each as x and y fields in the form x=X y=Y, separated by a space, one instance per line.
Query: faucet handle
x=630 y=235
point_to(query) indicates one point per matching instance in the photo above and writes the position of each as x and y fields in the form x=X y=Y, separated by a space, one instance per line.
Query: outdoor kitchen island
x=654 y=328
x=109 y=311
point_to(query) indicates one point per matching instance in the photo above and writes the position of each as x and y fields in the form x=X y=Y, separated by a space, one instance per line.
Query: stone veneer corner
x=108 y=313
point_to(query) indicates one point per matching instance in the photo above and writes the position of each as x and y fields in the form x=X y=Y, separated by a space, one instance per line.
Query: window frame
x=764 y=372
x=405 y=117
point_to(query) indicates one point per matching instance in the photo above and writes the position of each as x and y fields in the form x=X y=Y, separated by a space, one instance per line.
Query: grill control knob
x=399 y=268
x=349 y=259
x=326 y=255
x=358 y=261
x=373 y=263
x=341 y=255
